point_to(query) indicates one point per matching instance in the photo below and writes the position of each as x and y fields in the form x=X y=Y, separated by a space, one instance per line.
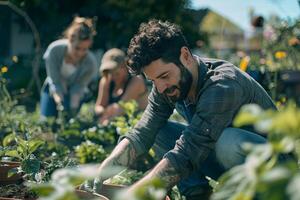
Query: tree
x=117 y=22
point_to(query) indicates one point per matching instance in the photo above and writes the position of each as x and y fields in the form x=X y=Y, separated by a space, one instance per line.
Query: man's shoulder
x=214 y=62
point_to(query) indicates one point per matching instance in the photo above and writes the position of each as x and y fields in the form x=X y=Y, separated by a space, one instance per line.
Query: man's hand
x=163 y=171
x=122 y=156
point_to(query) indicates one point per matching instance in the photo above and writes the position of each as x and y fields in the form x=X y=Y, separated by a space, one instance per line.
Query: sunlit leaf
x=34 y=144
x=248 y=114
x=13 y=153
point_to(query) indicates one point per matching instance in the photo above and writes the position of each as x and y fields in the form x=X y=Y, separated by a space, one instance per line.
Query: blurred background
x=261 y=37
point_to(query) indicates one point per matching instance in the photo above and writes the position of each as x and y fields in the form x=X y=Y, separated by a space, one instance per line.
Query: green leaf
x=21 y=143
x=13 y=153
x=34 y=144
x=31 y=165
x=8 y=139
x=248 y=114
x=42 y=189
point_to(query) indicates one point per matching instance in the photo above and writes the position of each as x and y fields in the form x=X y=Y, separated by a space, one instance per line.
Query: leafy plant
x=53 y=163
x=88 y=152
x=126 y=122
x=154 y=189
x=125 y=177
x=270 y=169
x=23 y=151
x=104 y=135
x=63 y=182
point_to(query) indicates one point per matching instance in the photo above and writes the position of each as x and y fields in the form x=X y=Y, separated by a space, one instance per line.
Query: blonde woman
x=70 y=68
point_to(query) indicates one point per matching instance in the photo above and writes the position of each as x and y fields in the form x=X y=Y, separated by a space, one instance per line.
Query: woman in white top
x=70 y=68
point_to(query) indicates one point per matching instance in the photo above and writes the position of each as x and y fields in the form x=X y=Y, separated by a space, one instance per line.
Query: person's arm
x=140 y=139
x=123 y=155
x=53 y=60
x=135 y=89
x=103 y=94
x=214 y=112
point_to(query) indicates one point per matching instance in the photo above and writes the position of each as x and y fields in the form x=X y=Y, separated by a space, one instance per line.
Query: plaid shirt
x=222 y=90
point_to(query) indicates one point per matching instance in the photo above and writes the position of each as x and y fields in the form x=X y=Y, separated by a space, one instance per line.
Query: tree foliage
x=117 y=20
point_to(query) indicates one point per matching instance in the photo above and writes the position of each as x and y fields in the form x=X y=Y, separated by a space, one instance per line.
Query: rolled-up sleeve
x=155 y=116
x=216 y=107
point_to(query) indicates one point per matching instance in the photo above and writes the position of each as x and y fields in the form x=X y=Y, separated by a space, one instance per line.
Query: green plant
x=104 y=135
x=53 y=163
x=88 y=152
x=23 y=151
x=154 y=189
x=265 y=174
x=126 y=122
x=63 y=182
x=125 y=177
x=282 y=46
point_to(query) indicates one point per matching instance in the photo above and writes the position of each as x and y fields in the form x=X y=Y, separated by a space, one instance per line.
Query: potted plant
x=27 y=163
x=5 y=176
x=123 y=179
x=63 y=184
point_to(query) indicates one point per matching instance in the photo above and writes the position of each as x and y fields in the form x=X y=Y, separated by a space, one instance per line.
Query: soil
x=17 y=192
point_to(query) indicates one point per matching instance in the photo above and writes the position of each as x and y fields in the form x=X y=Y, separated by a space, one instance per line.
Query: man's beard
x=184 y=85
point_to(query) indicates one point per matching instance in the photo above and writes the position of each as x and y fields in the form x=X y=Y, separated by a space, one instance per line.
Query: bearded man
x=208 y=93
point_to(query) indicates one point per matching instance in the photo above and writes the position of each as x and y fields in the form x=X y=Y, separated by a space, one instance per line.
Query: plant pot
x=109 y=190
x=87 y=195
x=5 y=166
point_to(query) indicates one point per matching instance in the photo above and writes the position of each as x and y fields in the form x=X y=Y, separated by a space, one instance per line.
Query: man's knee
x=229 y=147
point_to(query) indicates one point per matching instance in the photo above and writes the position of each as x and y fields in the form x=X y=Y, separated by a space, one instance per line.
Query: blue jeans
x=48 y=105
x=227 y=153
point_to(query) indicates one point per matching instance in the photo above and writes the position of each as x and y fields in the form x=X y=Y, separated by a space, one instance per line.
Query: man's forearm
x=164 y=171
x=122 y=156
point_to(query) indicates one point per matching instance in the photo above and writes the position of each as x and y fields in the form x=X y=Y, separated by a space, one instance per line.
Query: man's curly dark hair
x=154 y=40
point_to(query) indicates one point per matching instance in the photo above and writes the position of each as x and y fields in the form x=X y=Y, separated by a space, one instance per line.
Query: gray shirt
x=75 y=84
x=222 y=90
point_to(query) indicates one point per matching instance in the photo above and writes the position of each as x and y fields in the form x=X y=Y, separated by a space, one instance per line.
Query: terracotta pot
x=87 y=195
x=5 y=166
